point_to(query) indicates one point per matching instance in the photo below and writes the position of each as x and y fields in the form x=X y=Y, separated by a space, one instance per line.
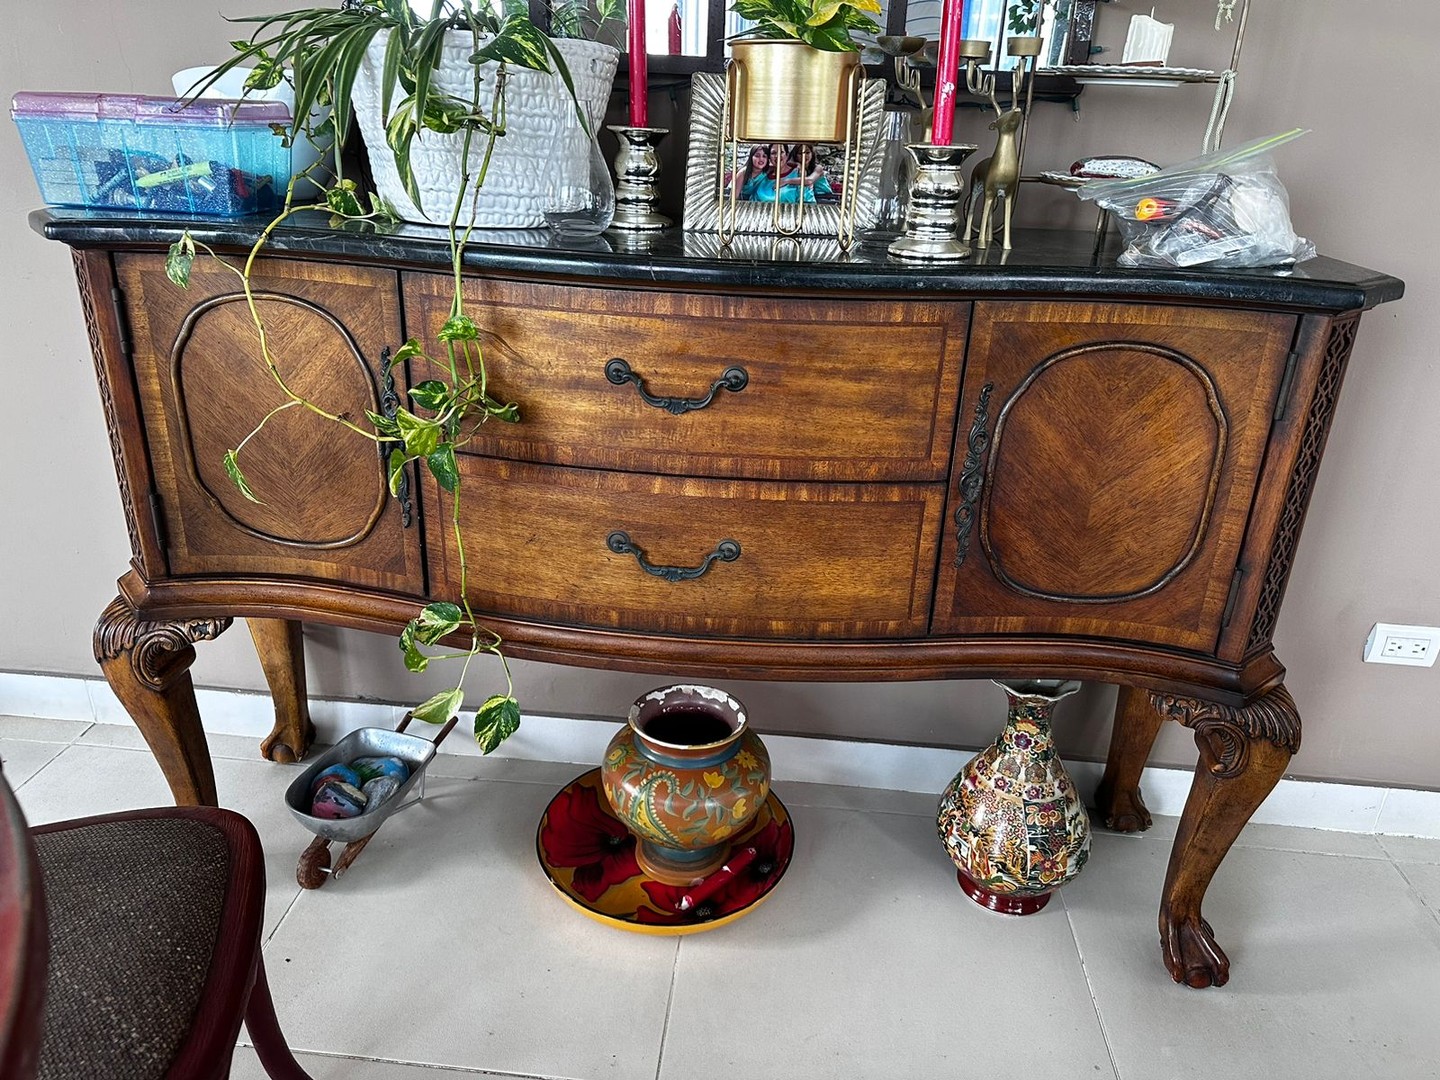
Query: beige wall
x=1360 y=187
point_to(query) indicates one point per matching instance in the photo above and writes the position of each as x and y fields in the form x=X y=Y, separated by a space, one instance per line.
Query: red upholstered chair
x=152 y=954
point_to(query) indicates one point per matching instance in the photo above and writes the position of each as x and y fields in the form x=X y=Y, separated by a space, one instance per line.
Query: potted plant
x=422 y=88
x=793 y=76
x=324 y=51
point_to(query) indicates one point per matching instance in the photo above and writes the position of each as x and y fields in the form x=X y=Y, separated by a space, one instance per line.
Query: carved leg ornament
x=1117 y=800
x=282 y=655
x=1243 y=753
x=147 y=665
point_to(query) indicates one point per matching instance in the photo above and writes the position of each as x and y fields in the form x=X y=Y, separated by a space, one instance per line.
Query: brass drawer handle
x=620 y=543
x=733 y=379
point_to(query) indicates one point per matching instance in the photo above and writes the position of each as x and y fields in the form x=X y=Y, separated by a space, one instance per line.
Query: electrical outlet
x=1390 y=643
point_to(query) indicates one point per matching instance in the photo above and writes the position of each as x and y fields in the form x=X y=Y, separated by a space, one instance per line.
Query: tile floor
x=867 y=961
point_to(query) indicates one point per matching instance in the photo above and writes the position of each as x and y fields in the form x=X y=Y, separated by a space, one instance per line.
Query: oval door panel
x=1079 y=506
x=319 y=485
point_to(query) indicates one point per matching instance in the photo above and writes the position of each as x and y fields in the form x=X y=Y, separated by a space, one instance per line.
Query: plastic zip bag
x=1225 y=209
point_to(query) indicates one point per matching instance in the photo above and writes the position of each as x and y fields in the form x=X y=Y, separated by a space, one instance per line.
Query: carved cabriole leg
x=1243 y=752
x=282 y=655
x=1117 y=800
x=147 y=664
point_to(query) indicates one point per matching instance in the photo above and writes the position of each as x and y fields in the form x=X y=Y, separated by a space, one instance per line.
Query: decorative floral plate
x=590 y=859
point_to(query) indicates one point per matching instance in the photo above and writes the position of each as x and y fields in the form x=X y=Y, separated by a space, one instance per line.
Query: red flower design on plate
x=772 y=846
x=582 y=833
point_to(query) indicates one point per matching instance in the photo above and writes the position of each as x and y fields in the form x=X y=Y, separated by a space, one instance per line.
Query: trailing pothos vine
x=320 y=50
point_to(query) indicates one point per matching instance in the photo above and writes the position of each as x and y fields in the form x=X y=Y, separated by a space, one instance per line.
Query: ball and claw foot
x=1191 y=955
x=1122 y=811
x=276 y=748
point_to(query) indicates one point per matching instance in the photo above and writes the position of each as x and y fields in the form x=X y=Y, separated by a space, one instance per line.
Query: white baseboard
x=1305 y=803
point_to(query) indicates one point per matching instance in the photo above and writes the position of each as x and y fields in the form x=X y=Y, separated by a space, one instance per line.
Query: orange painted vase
x=685 y=775
x=1011 y=819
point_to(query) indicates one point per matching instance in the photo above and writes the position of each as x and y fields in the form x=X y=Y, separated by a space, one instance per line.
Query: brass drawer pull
x=733 y=379
x=620 y=543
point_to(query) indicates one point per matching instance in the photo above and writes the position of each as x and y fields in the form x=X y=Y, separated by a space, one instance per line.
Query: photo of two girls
x=775 y=172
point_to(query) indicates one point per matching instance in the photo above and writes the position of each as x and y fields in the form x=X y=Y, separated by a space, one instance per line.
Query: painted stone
x=1011 y=819
x=378 y=790
x=337 y=799
x=338 y=771
x=685 y=776
x=371 y=767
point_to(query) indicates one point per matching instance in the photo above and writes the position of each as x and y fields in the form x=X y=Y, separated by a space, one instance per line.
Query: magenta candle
x=639 y=75
x=947 y=69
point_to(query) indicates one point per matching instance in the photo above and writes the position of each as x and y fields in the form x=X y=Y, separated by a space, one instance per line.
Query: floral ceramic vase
x=685 y=776
x=1011 y=819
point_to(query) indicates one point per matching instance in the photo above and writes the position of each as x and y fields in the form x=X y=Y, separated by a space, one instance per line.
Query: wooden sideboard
x=1038 y=465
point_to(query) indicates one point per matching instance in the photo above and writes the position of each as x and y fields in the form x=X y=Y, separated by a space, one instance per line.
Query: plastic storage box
x=131 y=152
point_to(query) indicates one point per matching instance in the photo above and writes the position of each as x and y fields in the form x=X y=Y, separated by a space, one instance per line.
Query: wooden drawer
x=839 y=390
x=815 y=560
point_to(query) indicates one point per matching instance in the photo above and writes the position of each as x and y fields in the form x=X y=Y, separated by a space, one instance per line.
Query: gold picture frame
x=705 y=176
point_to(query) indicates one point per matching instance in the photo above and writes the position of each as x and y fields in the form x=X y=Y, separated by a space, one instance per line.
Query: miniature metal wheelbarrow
x=314 y=866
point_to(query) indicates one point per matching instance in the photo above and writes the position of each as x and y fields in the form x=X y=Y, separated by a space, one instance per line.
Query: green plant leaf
x=419 y=435
x=436 y=620
x=179 y=260
x=382 y=210
x=415 y=660
x=439 y=708
x=828 y=38
x=605 y=10
x=342 y=199
x=395 y=469
x=443 y=467
x=384 y=425
x=232 y=469
x=390 y=71
x=408 y=351
x=459 y=328
x=431 y=394
x=519 y=42
x=399 y=134
x=496 y=721
x=509 y=412
x=266 y=76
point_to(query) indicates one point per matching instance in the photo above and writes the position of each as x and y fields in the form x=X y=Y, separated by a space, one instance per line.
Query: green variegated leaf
x=342 y=199
x=415 y=660
x=180 y=259
x=459 y=328
x=431 y=394
x=385 y=425
x=443 y=467
x=519 y=42
x=824 y=12
x=496 y=721
x=436 y=620
x=419 y=436
x=408 y=351
x=827 y=38
x=509 y=412
x=605 y=10
x=232 y=469
x=395 y=469
x=266 y=76
x=381 y=209
x=439 y=708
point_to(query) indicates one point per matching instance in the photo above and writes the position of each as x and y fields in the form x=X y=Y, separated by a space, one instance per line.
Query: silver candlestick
x=933 y=215
x=636 y=167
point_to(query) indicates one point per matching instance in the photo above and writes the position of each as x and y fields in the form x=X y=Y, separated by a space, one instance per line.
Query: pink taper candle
x=947 y=70
x=639 y=76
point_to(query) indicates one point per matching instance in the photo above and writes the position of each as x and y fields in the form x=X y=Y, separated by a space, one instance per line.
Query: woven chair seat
x=135 y=908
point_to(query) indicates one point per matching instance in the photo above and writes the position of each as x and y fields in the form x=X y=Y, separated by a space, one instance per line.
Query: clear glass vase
x=579 y=194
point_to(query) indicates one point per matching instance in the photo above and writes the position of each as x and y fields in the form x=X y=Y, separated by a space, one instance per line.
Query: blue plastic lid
x=142 y=109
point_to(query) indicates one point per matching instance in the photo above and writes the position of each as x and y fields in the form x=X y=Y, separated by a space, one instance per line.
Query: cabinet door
x=324 y=510
x=1104 y=469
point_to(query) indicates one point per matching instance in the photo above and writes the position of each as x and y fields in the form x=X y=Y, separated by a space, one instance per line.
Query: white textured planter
x=536 y=107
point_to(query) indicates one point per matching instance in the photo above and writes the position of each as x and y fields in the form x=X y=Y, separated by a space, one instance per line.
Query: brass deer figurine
x=996 y=177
